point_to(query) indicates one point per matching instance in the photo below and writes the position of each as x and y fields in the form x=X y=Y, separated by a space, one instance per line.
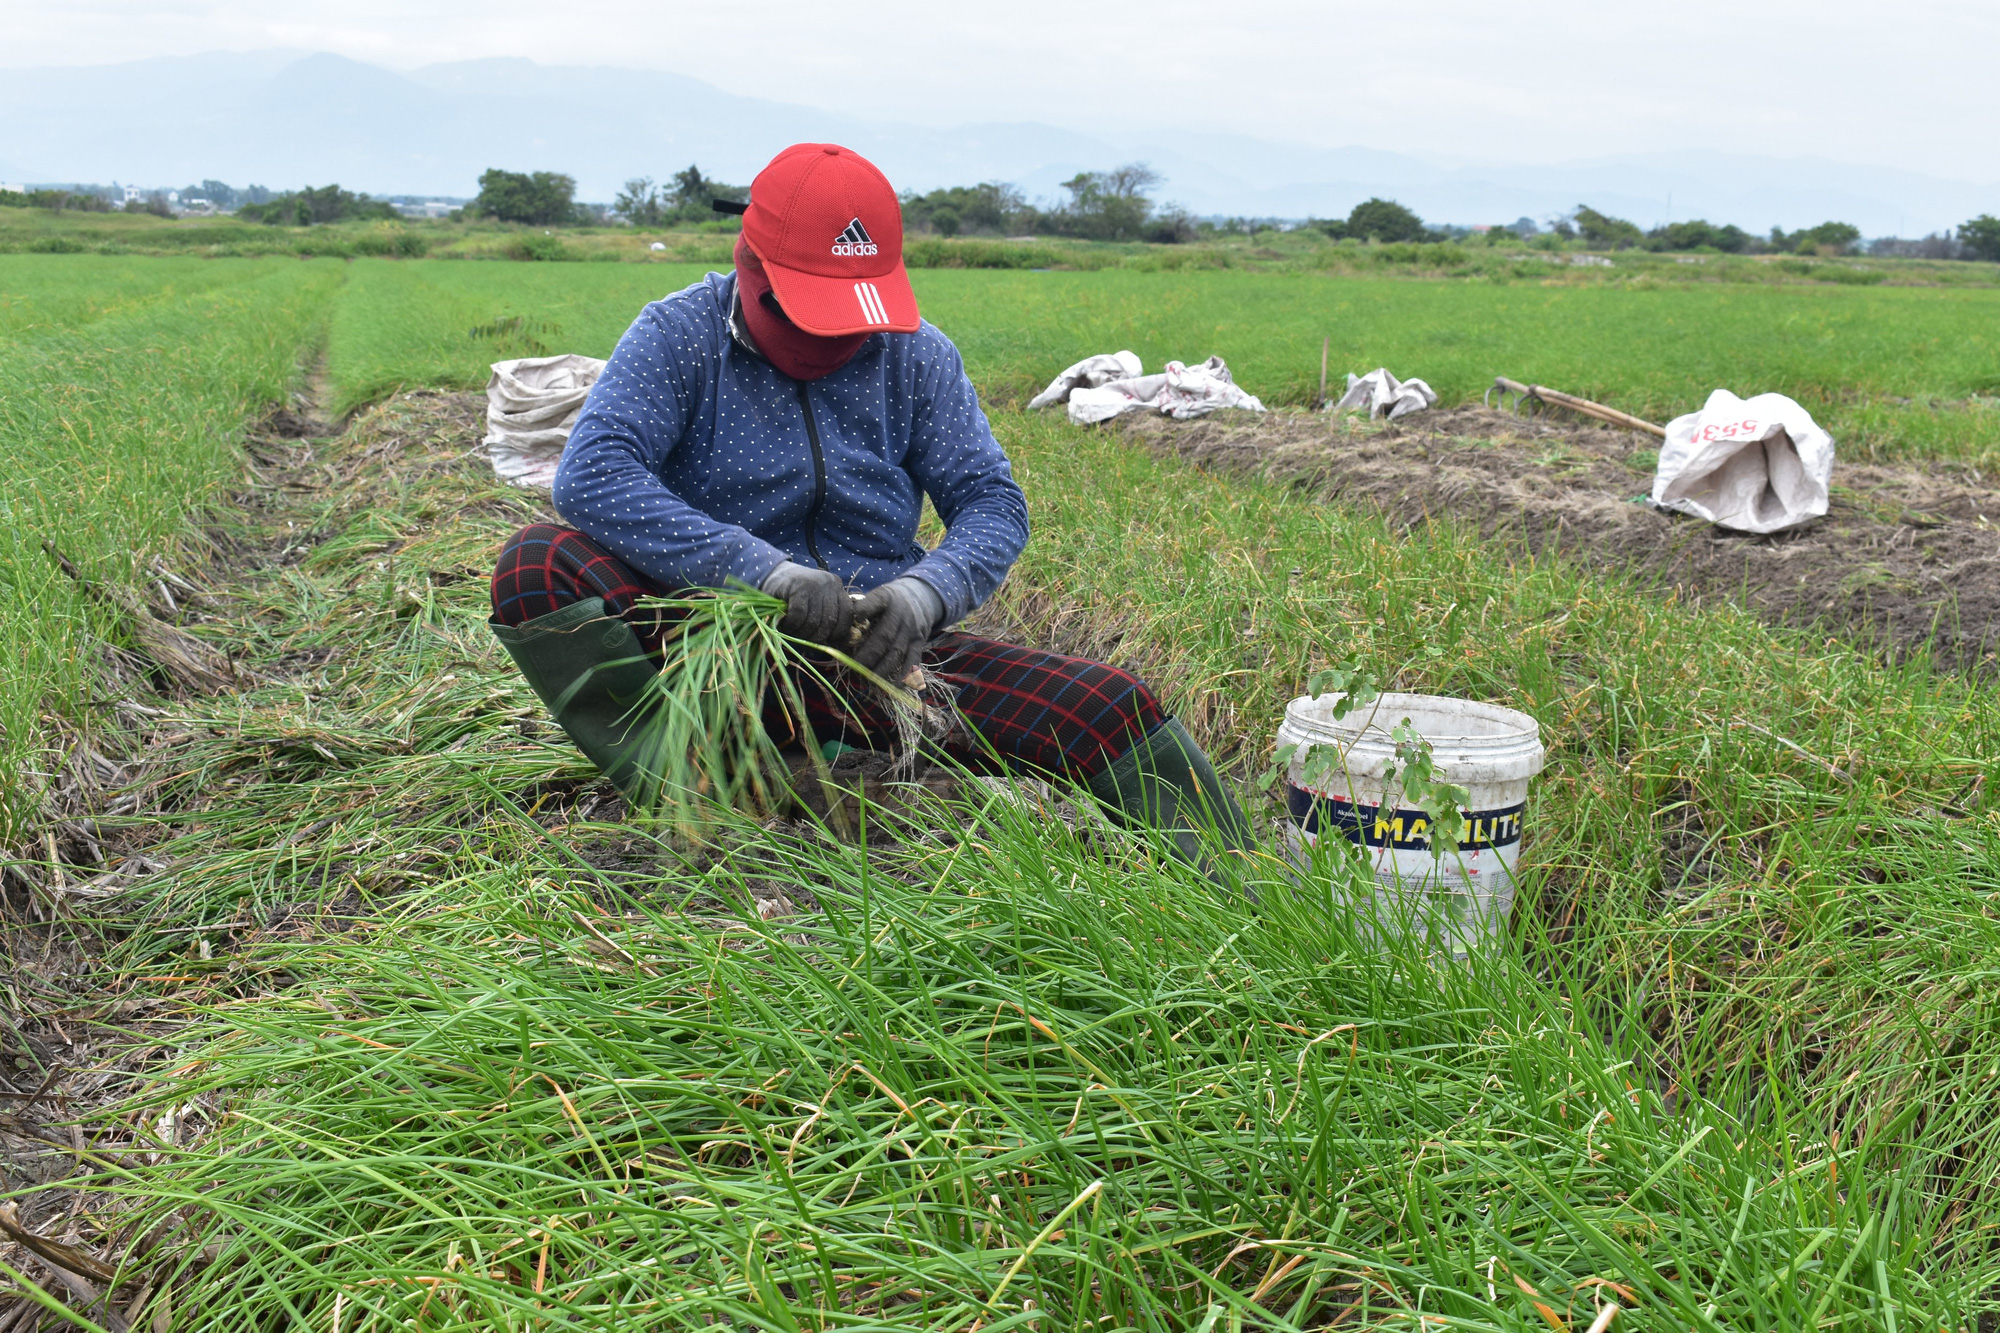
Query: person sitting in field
x=780 y=425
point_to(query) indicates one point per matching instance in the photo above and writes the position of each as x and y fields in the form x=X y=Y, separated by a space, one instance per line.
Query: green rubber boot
x=591 y=671
x=1167 y=782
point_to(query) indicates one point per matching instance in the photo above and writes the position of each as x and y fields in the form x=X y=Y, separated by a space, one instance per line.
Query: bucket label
x=1400 y=830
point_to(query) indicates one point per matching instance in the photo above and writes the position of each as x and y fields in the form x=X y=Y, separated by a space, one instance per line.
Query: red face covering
x=802 y=355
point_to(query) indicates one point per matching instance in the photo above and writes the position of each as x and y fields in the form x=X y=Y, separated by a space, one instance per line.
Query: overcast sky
x=1911 y=84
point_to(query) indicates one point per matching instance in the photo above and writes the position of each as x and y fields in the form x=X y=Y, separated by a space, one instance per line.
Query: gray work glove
x=817 y=607
x=902 y=615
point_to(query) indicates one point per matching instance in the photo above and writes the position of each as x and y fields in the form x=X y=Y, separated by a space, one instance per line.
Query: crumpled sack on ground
x=1089 y=373
x=1381 y=394
x=1181 y=391
x=531 y=404
x=1755 y=465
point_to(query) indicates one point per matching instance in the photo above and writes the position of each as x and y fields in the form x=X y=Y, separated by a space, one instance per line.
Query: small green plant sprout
x=1356 y=685
x=1421 y=786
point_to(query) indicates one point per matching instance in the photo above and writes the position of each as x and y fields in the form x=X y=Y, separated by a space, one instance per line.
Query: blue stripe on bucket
x=1404 y=830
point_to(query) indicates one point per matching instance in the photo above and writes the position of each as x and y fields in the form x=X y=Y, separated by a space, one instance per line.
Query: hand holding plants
x=901 y=616
x=817 y=606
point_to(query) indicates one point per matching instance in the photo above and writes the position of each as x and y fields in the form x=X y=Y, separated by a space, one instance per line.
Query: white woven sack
x=1181 y=391
x=1381 y=394
x=531 y=404
x=1755 y=465
x=1196 y=391
x=1090 y=373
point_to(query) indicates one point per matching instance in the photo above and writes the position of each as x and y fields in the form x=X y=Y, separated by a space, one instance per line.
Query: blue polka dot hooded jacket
x=697 y=462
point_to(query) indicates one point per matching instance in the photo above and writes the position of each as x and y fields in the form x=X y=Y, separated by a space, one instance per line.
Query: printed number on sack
x=1729 y=432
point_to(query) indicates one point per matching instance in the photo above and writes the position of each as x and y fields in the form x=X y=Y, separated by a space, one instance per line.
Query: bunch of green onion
x=705 y=745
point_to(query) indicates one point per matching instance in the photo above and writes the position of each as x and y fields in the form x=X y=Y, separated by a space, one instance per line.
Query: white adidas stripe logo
x=872 y=309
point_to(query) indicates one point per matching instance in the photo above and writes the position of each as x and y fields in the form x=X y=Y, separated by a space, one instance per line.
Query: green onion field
x=1893 y=371
x=397 y=1031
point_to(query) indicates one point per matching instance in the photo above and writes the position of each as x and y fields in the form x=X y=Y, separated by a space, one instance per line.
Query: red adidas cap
x=830 y=232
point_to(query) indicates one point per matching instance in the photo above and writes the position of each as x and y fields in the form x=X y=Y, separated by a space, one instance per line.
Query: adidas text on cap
x=830 y=232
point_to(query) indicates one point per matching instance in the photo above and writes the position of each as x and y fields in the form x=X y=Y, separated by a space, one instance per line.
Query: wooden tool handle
x=1610 y=415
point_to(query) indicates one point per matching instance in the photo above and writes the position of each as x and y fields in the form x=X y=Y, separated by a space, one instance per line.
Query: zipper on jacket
x=819 y=476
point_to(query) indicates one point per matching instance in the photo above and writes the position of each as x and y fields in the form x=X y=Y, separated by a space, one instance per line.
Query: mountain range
x=288 y=118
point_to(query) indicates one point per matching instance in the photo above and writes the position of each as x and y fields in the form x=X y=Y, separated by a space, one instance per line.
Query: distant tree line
x=1978 y=238
x=112 y=198
x=1604 y=232
x=1382 y=220
x=313 y=206
x=57 y=200
x=991 y=209
x=223 y=197
x=690 y=198
x=544 y=198
x=1387 y=221
x=1113 y=205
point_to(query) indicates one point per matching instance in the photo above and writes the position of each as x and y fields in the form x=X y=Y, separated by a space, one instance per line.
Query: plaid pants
x=1046 y=713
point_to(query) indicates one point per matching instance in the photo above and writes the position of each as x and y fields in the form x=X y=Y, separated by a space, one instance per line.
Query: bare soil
x=1906 y=559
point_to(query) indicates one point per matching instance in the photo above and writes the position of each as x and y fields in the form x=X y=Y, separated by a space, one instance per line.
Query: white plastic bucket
x=1462 y=898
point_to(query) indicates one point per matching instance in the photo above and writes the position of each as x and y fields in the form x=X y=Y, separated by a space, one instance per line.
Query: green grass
x=38 y=231
x=1654 y=352
x=1848 y=353
x=1060 y=1085
x=1677 y=821
x=466 y=1056
x=122 y=404
x=39 y=295
x=481 y=1060
x=410 y=324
